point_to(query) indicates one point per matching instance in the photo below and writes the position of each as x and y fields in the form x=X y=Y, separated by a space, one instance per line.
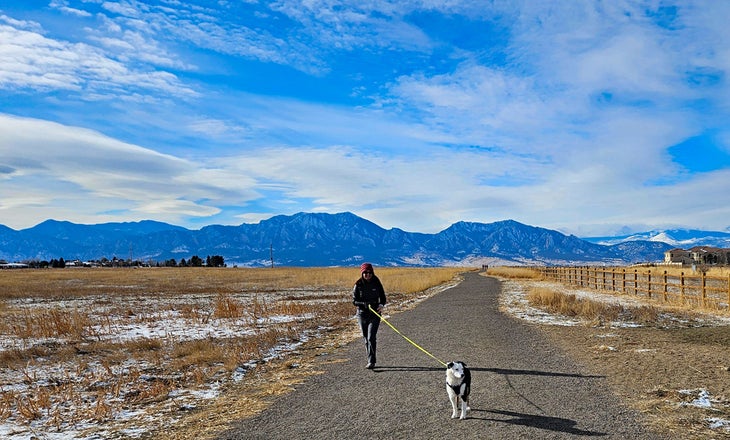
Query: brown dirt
x=650 y=368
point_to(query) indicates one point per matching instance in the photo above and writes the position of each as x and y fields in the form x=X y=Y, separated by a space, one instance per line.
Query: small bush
x=227 y=307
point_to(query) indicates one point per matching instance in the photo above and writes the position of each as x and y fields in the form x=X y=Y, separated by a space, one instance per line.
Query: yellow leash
x=405 y=337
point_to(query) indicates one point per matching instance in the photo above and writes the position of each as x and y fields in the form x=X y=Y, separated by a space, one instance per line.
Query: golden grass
x=513 y=272
x=69 y=283
x=571 y=305
x=227 y=307
x=49 y=323
x=196 y=352
x=596 y=311
x=99 y=378
x=599 y=312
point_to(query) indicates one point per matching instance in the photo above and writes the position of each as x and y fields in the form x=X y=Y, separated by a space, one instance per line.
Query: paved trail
x=523 y=388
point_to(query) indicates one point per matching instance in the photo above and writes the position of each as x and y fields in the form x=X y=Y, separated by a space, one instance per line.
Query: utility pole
x=271 y=254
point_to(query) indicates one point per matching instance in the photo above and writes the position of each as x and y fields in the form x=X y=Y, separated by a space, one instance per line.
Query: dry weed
x=196 y=352
x=570 y=305
x=227 y=307
x=513 y=272
x=115 y=282
x=50 y=323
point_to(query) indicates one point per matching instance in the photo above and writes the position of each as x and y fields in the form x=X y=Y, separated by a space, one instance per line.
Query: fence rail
x=695 y=291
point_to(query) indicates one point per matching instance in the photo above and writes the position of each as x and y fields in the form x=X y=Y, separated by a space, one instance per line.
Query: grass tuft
x=512 y=272
x=597 y=311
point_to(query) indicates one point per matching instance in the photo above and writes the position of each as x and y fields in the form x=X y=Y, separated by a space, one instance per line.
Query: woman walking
x=368 y=291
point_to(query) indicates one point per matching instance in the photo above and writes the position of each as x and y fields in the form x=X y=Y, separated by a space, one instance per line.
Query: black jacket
x=366 y=293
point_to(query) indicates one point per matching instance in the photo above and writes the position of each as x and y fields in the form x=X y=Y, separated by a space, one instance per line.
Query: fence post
x=704 y=289
x=648 y=286
x=613 y=279
x=636 y=281
x=681 y=287
x=665 y=286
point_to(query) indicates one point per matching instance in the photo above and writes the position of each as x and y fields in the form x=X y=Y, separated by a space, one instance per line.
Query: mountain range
x=317 y=239
x=681 y=238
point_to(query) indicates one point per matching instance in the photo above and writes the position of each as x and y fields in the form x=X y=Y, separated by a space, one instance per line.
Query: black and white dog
x=458 y=386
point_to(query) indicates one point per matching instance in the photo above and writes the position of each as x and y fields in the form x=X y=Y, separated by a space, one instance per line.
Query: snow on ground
x=168 y=319
x=124 y=319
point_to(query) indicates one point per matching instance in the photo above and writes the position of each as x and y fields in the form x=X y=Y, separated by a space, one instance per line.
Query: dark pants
x=369 y=324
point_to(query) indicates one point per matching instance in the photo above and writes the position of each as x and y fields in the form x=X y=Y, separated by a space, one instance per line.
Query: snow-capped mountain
x=681 y=238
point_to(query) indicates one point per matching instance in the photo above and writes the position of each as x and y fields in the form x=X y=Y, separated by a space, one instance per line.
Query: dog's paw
x=454 y=415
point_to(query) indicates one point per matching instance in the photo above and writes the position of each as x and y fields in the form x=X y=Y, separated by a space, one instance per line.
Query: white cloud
x=85 y=174
x=32 y=61
x=62 y=5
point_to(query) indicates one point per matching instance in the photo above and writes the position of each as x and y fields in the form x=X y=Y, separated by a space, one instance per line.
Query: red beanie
x=366 y=267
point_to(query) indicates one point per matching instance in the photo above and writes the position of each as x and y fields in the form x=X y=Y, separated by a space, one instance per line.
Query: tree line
x=194 y=261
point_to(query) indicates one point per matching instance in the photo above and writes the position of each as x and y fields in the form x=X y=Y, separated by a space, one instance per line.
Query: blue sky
x=588 y=117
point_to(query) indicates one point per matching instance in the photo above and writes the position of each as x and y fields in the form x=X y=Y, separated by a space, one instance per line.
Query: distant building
x=698 y=255
x=678 y=256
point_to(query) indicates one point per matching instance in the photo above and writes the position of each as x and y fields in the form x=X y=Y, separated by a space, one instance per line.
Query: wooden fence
x=695 y=291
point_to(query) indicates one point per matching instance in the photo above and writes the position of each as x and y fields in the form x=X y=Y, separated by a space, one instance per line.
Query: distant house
x=698 y=255
x=678 y=256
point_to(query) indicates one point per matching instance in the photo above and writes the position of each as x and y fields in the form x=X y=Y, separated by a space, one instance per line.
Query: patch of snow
x=717 y=423
x=702 y=400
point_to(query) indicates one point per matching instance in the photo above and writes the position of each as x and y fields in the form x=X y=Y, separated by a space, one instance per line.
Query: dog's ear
x=449 y=365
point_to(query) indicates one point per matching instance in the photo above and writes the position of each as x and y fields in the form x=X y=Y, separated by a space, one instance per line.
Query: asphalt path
x=522 y=386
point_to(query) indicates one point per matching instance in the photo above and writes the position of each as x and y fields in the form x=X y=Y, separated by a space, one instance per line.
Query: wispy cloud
x=50 y=164
x=35 y=62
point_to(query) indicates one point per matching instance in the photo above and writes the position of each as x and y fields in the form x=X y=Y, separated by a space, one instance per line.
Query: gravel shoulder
x=525 y=384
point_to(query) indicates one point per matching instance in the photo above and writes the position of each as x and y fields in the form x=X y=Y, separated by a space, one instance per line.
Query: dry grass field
x=115 y=353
